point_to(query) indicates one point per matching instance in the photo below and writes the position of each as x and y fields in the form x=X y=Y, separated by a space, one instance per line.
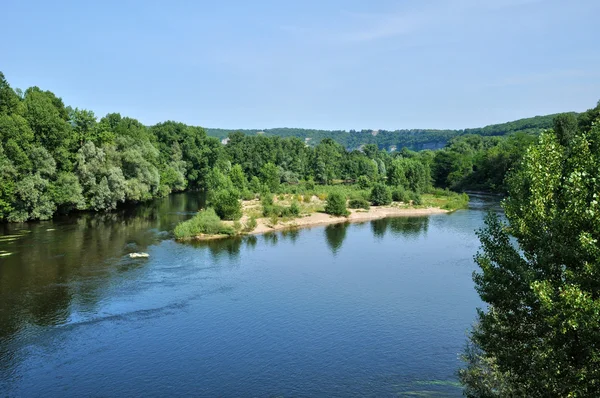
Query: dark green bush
x=399 y=194
x=359 y=204
x=227 y=204
x=336 y=204
x=205 y=222
x=363 y=182
x=381 y=195
x=416 y=198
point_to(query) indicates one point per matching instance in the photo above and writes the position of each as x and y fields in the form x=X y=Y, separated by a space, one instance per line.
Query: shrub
x=336 y=204
x=359 y=204
x=250 y=225
x=310 y=185
x=416 y=198
x=381 y=195
x=306 y=198
x=247 y=195
x=205 y=222
x=295 y=208
x=255 y=185
x=400 y=194
x=227 y=204
x=363 y=182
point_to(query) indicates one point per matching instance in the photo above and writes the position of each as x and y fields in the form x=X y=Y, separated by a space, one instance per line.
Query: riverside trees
x=540 y=335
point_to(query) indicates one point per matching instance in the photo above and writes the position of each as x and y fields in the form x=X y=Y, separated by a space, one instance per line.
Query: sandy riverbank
x=314 y=219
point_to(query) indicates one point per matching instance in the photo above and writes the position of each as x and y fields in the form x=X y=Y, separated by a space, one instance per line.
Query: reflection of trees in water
x=229 y=247
x=409 y=227
x=378 y=227
x=271 y=238
x=251 y=241
x=290 y=234
x=335 y=235
x=67 y=262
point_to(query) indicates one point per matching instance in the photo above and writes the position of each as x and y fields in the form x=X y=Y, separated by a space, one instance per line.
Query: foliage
x=204 y=222
x=399 y=194
x=336 y=204
x=542 y=284
x=363 y=182
x=359 y=204
x=69 y=159
x=381 y=195
x=270 y=176
x=227 y=205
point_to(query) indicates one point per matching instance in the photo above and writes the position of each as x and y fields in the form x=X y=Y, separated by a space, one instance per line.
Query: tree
x=540 y=336
x=381 y=195
x=227 y=205
x=269 y=174
x=238 y=178
x=336 y=204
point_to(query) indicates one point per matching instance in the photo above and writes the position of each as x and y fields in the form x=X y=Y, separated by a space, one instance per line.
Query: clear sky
x=333 y=64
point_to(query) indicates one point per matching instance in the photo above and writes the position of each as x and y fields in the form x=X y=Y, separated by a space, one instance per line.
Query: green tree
x=381 y=195
x=238 y=178
x=540 y=335
x=227 y=205
x=336 y=204
x=269 y=174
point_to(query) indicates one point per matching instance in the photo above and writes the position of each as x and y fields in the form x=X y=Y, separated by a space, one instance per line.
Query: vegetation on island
x=540 y=273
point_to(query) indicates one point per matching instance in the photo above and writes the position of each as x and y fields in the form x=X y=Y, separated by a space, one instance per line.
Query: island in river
x=311 y=213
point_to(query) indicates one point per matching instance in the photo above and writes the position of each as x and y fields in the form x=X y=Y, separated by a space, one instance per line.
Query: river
x=373 y=309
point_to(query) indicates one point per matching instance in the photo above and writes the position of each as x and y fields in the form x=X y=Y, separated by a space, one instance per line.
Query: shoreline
x=319 y=219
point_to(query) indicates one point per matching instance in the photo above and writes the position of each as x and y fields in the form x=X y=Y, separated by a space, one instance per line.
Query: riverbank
x=265 y=225
x=310 y=213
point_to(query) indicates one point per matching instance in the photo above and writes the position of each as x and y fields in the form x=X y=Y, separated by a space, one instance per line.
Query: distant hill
x=416 y=139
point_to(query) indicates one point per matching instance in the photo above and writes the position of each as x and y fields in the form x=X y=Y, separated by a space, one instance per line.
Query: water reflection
x=55 y=265
x=335 y=235
x=229 y=247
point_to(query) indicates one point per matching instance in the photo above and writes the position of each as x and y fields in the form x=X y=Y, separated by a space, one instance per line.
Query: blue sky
x=315 y=64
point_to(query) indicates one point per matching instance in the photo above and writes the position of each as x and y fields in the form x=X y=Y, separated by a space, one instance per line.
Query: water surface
x=373 y=309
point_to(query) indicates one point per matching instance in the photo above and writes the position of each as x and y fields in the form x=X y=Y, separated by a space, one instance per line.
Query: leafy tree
x=9 y=100
x=227 y=205
x=67 y=193
x=269 y=174
x=238 y=178
x=336 y=204
x=539 y=336
x=381 y=195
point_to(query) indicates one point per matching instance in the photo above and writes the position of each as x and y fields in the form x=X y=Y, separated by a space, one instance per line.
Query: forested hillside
x=415 y=139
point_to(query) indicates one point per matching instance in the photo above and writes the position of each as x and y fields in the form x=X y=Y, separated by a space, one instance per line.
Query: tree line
x=414 y=139
x=58 y=159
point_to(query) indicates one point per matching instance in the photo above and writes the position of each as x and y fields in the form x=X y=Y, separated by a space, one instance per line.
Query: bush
x=363 y=182
x=400 y=194
x=294 y=209
x=336 y=204
x=416 y=198
x=250 y=225
x=306 y=198
x=359 y=204
x=255 y=185
x=309 y=185
x=205 y=222
x=381 y=195
x=247 y=195
x=227 y=204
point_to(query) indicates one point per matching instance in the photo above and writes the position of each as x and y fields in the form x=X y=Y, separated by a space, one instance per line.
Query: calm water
x=373 y=309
